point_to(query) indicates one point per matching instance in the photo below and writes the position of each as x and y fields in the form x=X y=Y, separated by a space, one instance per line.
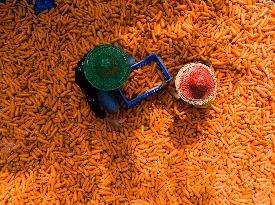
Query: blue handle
x=167 y=78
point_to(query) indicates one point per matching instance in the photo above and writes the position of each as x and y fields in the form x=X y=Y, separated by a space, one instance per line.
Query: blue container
x=160 y=66
x=40 y=5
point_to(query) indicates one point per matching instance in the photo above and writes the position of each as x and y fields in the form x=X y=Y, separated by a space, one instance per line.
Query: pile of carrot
x=54 y=150
x=218 y=4
x=141 y=80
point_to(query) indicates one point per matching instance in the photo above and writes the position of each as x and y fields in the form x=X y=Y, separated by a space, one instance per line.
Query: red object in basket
x=197 y=83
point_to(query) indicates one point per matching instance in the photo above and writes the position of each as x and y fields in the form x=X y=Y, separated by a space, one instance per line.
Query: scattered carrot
x=54 y=151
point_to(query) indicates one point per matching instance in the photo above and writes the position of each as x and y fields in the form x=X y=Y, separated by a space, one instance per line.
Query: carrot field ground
x=54 y=151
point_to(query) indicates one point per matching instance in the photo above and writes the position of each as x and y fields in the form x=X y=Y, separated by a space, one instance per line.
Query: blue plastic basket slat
x=167 y=78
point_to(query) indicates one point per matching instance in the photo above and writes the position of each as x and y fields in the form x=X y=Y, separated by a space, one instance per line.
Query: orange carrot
x=167 y=149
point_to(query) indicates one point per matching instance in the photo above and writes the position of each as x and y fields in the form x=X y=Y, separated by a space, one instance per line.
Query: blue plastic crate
x=160 y=66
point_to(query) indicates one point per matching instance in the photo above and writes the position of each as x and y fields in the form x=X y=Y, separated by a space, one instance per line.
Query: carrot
x=167 y=149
